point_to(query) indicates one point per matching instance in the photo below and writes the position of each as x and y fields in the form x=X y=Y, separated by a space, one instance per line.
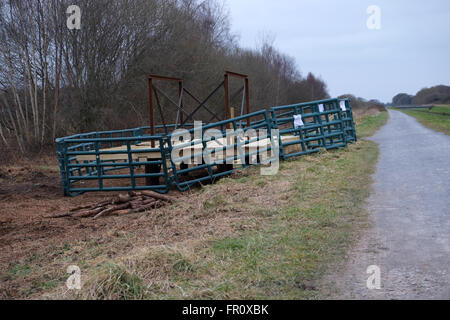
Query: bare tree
x=55 y=81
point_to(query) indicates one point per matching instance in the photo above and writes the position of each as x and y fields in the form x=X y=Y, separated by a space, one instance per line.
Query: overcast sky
x=331 y=39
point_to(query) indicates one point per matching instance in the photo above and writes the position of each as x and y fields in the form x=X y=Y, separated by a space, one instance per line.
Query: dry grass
x=248 y=236
x=367 y=125
x=360 y=113
x=272 y=239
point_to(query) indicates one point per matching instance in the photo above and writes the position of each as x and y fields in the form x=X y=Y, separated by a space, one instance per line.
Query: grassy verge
x=283 y=232
x=367 y=126
x=437 y=118
x=443 y=109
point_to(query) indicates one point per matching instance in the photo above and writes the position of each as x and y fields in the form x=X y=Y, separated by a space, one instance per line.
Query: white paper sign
x=343 y=108
x=320 y=107
x=298 y=122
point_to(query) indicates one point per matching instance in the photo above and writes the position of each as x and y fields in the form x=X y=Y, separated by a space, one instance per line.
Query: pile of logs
x=122 y=204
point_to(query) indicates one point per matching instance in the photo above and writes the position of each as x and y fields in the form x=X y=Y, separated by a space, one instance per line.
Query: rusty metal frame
x=153 y=91
x=203 y=103
x=151 y=88
x=227 y=76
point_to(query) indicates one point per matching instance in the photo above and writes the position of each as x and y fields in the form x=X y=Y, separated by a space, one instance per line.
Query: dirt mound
x=28 y=181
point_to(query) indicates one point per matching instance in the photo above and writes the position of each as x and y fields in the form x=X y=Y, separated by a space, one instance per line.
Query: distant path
x=410 y=213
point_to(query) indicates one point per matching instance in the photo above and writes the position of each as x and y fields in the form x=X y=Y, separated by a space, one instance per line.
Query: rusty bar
x=204 y=103
x=152 y=114
x=161 y=112
x=152 y=76
x=227 y=98
x=157 y=77
x=237 y=75
x=170 y=100
x=148 y=180
x=247 y=100
x=180 y=92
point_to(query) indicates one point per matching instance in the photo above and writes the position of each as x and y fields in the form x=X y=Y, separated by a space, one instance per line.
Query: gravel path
x=410 y=212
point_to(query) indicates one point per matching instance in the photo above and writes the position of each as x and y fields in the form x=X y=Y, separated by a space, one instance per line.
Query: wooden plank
x=121 y=156
x=293 y=148
x=211 y=145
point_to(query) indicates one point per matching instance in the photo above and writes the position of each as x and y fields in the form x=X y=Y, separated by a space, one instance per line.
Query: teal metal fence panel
x=349 y=122
x=325 y=126
x=212 y=157
x=134 y=160
x=113 y=161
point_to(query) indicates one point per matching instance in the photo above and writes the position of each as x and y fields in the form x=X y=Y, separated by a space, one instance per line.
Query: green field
x=441 y=109
x=438 y=118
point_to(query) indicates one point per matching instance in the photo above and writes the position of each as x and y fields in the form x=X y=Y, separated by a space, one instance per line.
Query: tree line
x=56 y=81
x=360 y=104
x=435 y=95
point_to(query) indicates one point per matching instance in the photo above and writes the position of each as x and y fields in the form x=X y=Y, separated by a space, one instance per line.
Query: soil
x=30 y=239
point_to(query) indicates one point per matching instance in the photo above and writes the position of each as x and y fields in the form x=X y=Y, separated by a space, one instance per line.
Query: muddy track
x=410 y=214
